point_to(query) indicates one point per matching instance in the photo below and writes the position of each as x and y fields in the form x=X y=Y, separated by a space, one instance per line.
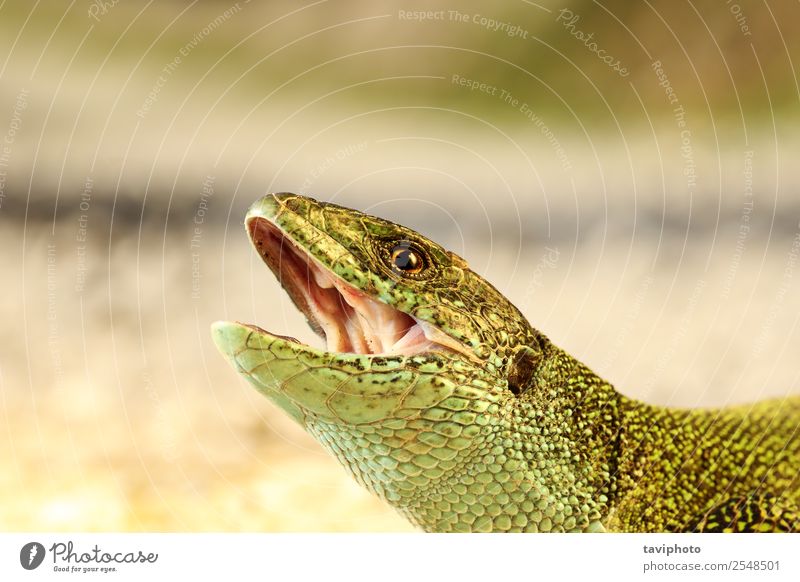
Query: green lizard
x=438 y=396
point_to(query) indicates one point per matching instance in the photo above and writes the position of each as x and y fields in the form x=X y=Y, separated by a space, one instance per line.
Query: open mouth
x=349 y=320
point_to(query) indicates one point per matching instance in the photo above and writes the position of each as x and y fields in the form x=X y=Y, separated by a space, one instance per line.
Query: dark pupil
x=405 y=259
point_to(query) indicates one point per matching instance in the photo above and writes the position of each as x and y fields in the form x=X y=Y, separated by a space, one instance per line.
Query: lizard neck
x=580 y=416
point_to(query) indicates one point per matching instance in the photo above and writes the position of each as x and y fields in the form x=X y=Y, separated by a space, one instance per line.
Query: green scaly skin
x=506 y=431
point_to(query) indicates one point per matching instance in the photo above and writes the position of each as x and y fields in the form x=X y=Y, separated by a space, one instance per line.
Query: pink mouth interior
x=348 y=319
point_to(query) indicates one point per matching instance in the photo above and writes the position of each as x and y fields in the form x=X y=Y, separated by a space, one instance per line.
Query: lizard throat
x=349 y=320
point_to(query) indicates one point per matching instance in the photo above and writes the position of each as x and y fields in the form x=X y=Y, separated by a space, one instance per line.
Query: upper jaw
x=347 y=318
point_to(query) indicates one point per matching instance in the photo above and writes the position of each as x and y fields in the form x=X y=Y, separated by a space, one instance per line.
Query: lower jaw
x=341 y=388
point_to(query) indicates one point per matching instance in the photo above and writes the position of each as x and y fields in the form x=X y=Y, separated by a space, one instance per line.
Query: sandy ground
x=118 y=414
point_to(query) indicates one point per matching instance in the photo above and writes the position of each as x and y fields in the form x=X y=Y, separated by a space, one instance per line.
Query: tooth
x=357 y=338
x=322 y=278
x=414 y=335
x=436 y=336
x=333 y=337
x=350 y=295
x=384 y=322
x=374 y=340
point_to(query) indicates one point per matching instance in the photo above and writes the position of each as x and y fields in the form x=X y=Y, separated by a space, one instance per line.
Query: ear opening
x=521 y=368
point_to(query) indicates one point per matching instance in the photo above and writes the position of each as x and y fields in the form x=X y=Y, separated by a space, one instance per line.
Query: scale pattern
x=513 y=434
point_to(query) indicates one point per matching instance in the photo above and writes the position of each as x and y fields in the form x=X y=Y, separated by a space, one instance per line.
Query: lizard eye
x=406 y=258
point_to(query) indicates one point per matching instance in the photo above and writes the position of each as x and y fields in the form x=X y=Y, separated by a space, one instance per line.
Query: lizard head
x=392 y=306
x=421 y=381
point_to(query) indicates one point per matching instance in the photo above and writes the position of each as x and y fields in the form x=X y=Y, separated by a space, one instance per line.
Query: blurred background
x=625 y=172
